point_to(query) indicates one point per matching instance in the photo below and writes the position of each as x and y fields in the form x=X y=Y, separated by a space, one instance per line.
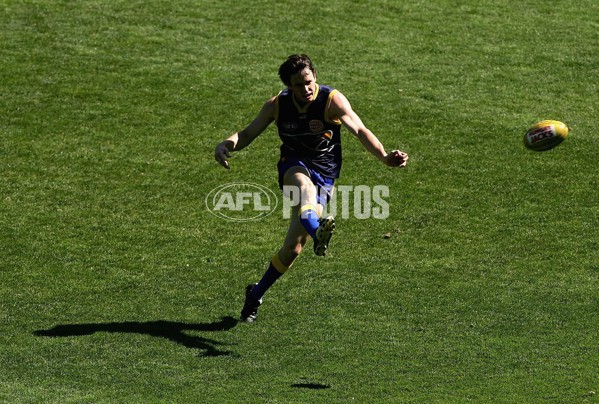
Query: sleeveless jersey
x=308 y=133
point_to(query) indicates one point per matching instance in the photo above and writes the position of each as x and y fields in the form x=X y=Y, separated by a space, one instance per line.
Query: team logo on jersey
x=316 y=126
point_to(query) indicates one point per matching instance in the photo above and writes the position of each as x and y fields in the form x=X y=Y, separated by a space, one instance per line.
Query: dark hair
x=293 y=65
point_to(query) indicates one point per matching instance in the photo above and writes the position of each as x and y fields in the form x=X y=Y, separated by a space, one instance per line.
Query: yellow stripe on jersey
x=277 y=107
x=327 y=117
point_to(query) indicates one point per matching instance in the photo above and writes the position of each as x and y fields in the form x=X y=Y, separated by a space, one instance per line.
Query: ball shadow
x=312 y=386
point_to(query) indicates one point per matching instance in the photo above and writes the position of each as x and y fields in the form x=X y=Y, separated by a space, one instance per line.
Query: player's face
x=303 y=86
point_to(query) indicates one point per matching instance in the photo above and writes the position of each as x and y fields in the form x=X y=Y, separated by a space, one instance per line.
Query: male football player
x=309 y=117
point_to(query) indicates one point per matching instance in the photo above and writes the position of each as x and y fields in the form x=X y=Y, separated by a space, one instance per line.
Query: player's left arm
x=341 y=108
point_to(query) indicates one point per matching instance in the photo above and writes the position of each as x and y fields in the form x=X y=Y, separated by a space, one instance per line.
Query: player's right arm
x=239 y=140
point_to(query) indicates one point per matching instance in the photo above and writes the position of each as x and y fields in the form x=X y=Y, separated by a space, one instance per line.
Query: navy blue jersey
x=308 y=133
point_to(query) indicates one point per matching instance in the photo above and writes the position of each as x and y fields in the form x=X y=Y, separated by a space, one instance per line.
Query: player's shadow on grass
x=173 y=331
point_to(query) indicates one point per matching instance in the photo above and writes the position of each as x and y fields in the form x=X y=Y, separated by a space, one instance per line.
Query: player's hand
x=396 y=158
x=222 y=153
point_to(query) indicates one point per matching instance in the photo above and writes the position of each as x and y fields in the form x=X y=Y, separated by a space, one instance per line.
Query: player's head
x=294 y=65
x=299 y=75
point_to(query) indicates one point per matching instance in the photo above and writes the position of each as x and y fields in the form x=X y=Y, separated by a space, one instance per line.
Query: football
x=545 y=135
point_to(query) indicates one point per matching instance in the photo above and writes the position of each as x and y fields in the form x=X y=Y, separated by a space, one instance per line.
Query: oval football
x=545 y=135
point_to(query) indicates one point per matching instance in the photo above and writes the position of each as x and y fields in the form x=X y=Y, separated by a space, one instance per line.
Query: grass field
x=118 y=285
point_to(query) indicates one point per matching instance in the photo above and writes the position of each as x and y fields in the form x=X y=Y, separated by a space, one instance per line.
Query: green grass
x=486 y=290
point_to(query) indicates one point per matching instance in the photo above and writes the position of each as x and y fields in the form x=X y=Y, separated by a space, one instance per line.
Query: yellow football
x=545 y=135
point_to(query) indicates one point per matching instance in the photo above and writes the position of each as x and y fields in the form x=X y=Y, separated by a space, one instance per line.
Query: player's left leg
x=305 y=223
x=292 y=247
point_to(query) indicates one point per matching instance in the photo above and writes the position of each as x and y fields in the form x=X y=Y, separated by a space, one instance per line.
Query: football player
x=308 y=117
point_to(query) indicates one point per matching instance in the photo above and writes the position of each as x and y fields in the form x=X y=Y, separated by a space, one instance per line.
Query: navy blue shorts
x=324 y=185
